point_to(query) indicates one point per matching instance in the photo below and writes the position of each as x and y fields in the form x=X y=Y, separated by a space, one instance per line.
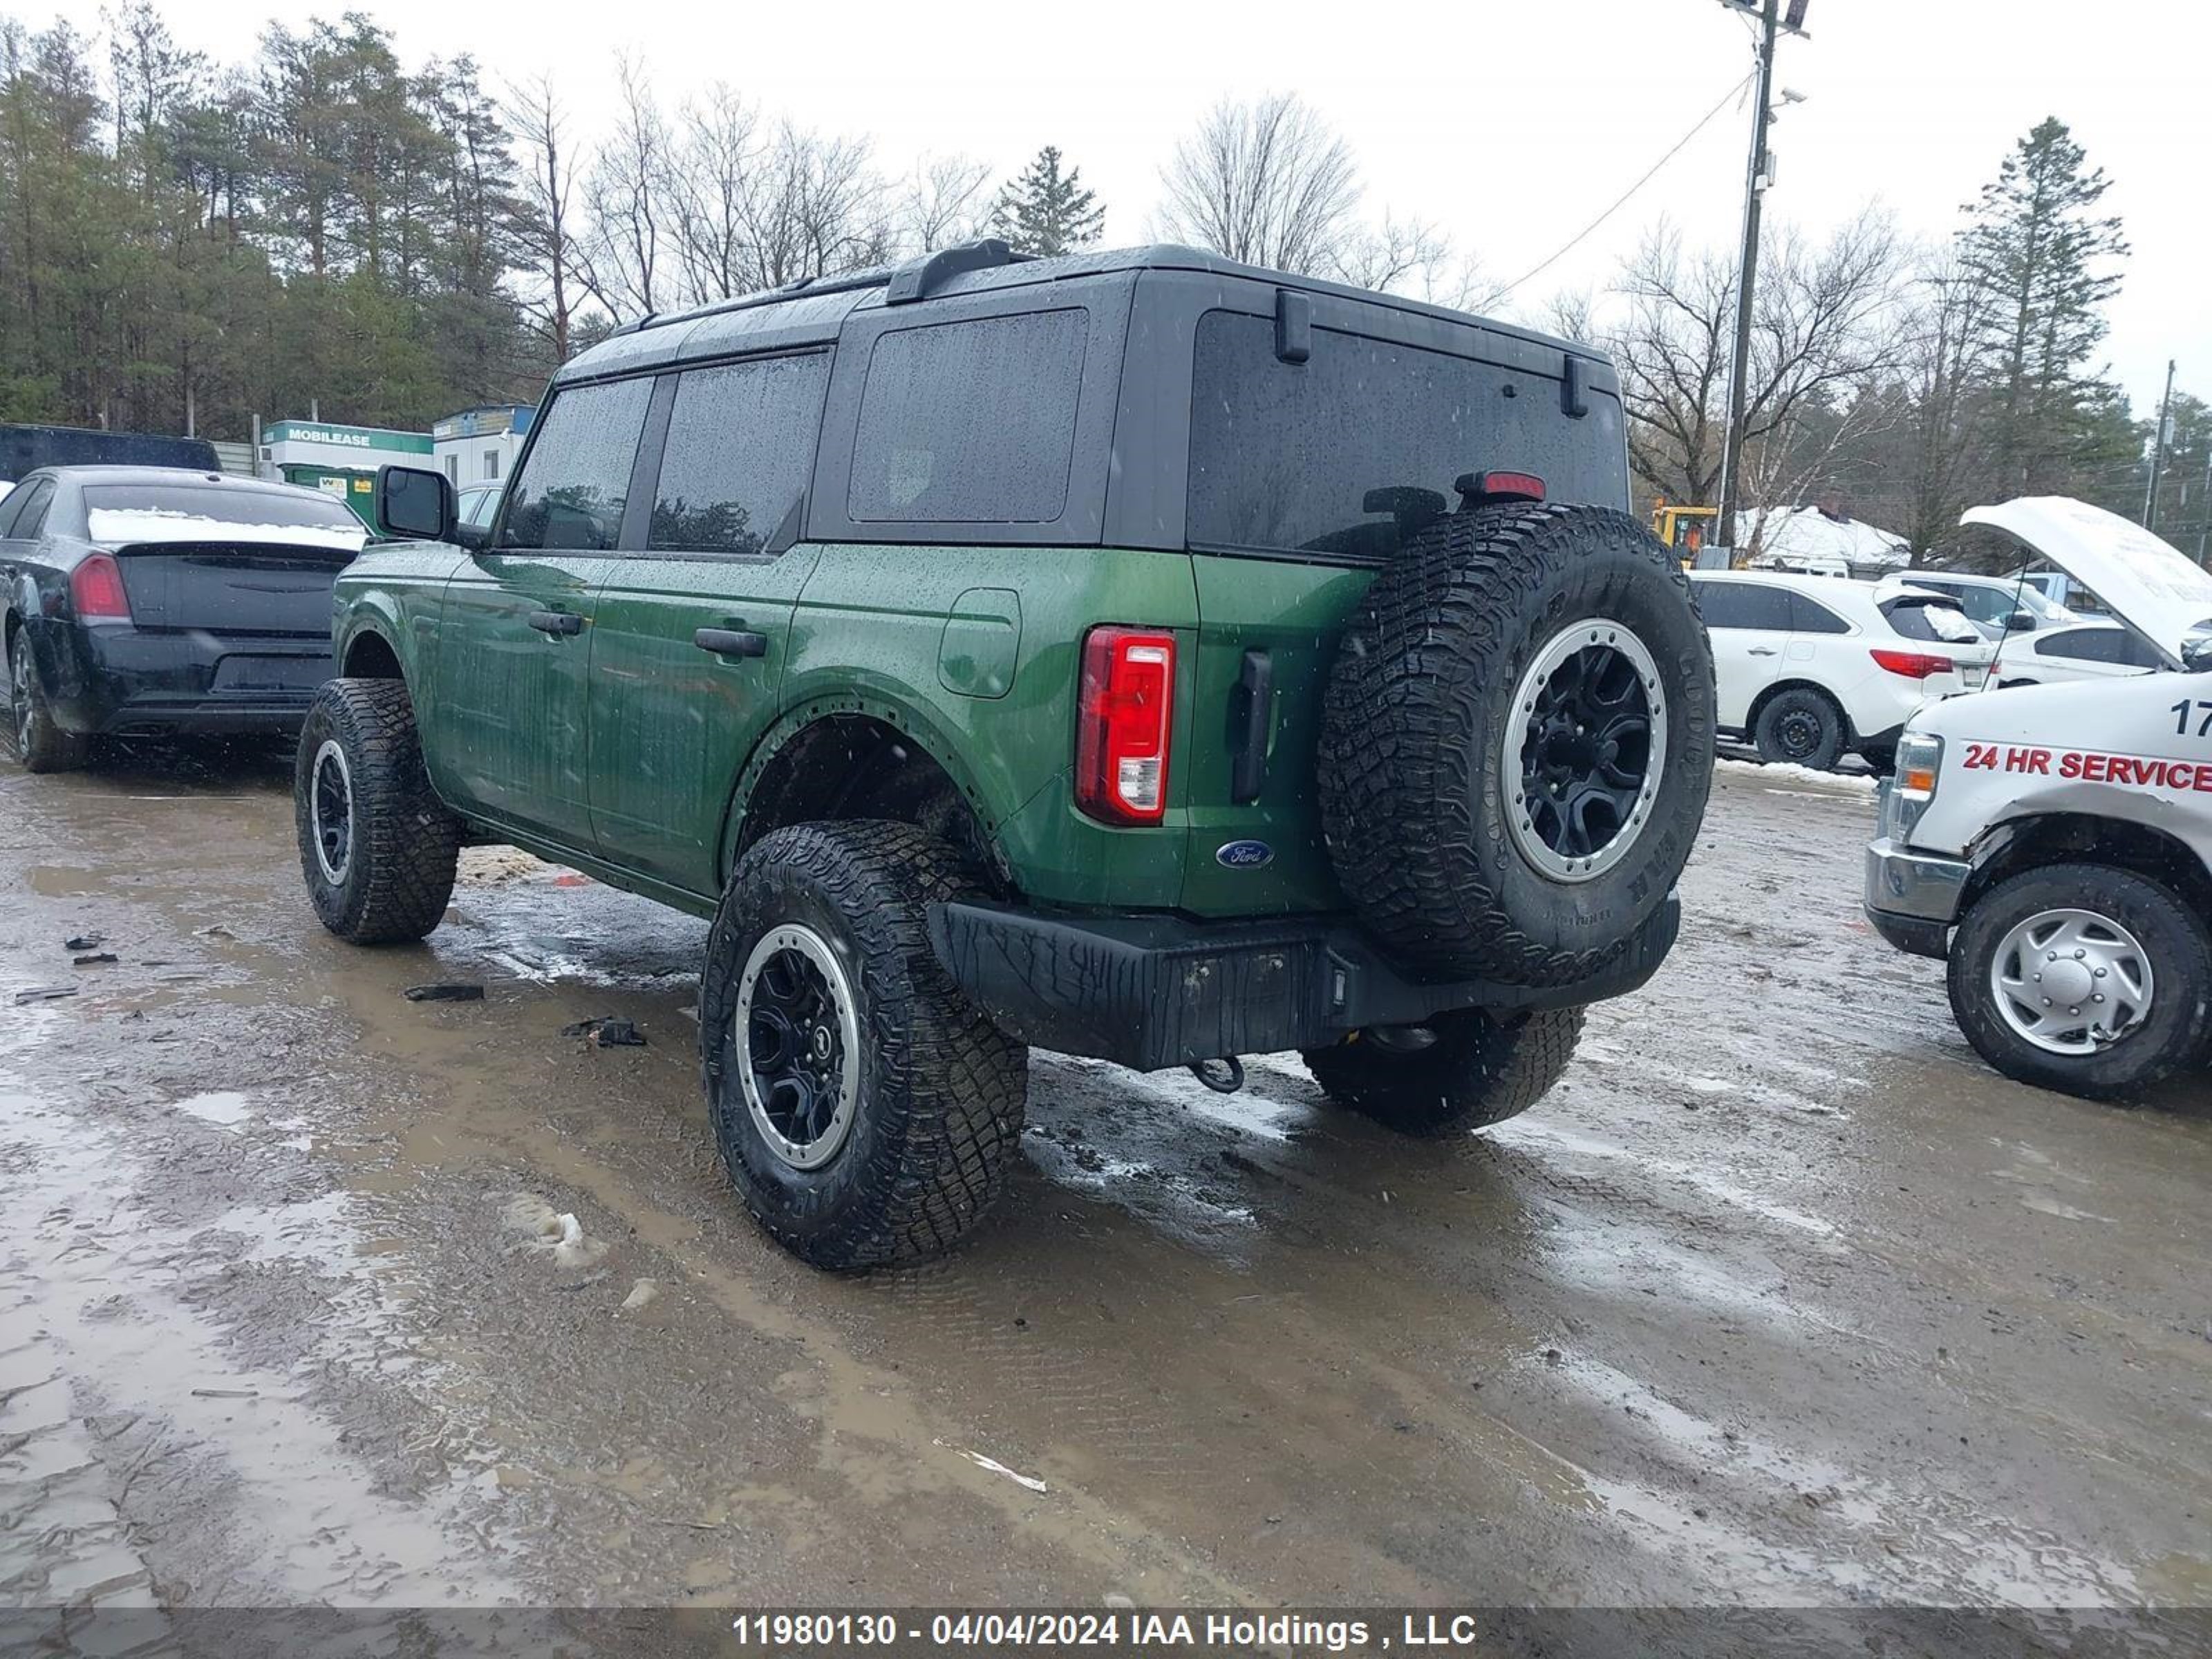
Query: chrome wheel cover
x=1584 y=751
x=2071 y=981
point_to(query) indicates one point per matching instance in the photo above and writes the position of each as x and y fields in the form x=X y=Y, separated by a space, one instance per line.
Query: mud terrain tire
x=937 y=1091
x=1480 y=1070
x=378 y=849
x=2176 y=1033
x=1416 y=787
x=34 y=737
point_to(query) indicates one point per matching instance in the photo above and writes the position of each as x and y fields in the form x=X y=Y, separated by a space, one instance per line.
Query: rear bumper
x=1154 y=991
x=109 y=680
x=1912 y=898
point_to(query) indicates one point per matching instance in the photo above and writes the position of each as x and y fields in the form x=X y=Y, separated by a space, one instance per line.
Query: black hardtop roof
x=812 y=312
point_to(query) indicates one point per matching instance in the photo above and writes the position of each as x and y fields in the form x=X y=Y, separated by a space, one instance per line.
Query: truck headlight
x=1919 y=761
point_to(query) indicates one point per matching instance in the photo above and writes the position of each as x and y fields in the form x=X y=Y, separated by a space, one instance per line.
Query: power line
x=1582 y=235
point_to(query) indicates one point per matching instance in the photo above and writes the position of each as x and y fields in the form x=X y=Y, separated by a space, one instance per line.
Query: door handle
x=731 y=643
x=1256 y=688
x=557 y=622
x=1762 y=651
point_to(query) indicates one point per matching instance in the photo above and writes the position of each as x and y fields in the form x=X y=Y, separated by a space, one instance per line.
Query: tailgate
x=229 y=588
x=1260 y=619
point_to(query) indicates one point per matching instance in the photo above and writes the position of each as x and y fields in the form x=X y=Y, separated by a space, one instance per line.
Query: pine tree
x=2042 y=256
x=1046 y=212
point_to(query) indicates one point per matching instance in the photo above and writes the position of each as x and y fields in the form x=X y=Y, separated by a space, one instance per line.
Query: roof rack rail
x=809 y=286
x=919 y=278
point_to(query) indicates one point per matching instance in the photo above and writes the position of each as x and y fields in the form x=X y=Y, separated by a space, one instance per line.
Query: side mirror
x=2020 y=622
x=415 y=504
x=2197 y=654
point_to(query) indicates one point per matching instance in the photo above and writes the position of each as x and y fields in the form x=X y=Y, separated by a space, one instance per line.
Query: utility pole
x=1746 y=282
x=2158 y=452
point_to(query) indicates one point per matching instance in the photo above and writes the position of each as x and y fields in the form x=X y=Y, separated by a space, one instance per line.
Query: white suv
x=1809 y=667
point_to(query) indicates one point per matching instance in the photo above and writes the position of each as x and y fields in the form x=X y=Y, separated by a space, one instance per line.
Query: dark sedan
x=150 y=601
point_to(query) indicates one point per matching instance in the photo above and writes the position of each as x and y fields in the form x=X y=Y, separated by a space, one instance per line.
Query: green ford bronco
x=1137 y=654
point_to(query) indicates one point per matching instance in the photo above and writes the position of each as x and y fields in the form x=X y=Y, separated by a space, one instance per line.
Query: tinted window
x=2113 y=644
x=188 y=502
x=741 y=449
x=1743 y=605
x=971 y=422
x=1810 y=616
x=1931 y=619
x=10 y=504
x=570 y=493
x=31 y=516
x=1352 y=452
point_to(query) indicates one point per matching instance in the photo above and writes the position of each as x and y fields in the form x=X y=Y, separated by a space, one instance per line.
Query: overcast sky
x=1512 y=126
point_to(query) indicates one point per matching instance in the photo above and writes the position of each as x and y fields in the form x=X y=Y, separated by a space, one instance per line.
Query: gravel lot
x=1782 y=1297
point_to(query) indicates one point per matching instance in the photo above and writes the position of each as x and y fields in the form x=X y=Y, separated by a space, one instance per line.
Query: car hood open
x=2150 y=585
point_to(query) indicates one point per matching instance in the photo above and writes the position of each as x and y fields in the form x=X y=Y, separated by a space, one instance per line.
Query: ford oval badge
x=1244 y=855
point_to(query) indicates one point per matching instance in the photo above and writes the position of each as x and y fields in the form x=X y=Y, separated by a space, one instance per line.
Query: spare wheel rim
x=330 y=812
x=1585 y=750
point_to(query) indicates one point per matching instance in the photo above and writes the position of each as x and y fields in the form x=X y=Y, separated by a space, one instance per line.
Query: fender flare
x=920 y=729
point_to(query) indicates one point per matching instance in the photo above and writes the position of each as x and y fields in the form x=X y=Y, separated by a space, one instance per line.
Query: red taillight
x=1123 y=709
x=96 y=587
x=1510 y=486
x=1913 y=665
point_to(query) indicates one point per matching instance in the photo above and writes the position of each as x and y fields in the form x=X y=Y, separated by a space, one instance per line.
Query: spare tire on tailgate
x=1518 y=743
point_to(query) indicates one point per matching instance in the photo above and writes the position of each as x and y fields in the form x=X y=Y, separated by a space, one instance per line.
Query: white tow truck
x=2053 y=843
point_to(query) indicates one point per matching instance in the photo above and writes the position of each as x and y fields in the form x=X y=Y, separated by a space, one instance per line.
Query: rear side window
x=1743 y=605
x=971 y=422
x=1810 y=616
x=31 y=513
x=741 y=449
x=570 y=493
x=1350 y=453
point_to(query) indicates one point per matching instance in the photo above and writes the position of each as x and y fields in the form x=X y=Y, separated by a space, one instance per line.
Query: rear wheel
x=377 y=847
x=2085 y=979
x=1461 y=1072
x=1800 y=728
x=39 y=742
x=866 y=1110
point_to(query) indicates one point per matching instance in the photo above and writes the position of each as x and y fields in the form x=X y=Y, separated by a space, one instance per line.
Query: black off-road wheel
x=377 y=846
x=1461 y=1072
x=865 y=1108
x=2085 y=979
x=34 y=737
x=1518 y=743
x=1801 y=728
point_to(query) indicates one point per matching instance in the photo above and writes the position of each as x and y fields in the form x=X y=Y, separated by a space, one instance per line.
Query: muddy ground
x=1781 y=1298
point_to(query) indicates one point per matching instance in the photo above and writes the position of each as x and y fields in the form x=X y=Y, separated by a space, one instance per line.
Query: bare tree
x=625 y=193
x=1265 y=183
x=545 y=231
x=1413 y=257
x=943 y=203
x=1946 y=360
x=711 y=170
x=816 y=209
x=1822 y=330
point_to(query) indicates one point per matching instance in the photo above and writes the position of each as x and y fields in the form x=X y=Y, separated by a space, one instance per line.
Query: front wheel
x=377 y=847
x=2085 y=979
x=866 y=1110
x=1800 y=728
x=1460 y=1072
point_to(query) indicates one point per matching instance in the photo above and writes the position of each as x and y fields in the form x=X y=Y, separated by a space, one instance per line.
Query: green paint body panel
x=625 y=749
